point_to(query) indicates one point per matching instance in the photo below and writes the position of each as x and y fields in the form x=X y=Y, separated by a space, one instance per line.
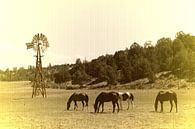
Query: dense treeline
x=124 y=66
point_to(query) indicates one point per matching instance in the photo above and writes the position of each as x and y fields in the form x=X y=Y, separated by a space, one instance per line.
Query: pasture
x=19 y=111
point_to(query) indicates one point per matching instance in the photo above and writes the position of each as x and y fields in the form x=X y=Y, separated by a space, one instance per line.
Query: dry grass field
x=19 y=111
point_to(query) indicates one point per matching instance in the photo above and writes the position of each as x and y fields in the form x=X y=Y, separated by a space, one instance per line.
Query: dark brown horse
x=106 y=97
x=78 y=97
x=166 y=96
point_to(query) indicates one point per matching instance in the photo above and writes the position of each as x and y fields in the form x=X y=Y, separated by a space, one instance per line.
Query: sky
x=86 y=29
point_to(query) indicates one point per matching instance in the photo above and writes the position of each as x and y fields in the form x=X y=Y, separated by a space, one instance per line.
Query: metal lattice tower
x=39 y=43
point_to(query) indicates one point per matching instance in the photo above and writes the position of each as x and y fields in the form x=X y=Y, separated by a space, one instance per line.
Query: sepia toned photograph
x=97 y=64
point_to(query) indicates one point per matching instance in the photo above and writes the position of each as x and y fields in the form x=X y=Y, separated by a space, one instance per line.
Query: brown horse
x=165 y=96
x=78 y=97
x=106 y=97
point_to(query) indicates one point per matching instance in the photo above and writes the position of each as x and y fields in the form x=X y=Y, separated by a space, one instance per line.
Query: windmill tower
x=39 y=44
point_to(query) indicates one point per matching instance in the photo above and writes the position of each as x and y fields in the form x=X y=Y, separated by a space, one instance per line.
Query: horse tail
x=87 y=99
x=156 y=101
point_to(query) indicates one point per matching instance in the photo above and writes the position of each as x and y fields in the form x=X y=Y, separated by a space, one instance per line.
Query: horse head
x=156 y=104
x=68 y=106
x=95 y=107
x=69 y=102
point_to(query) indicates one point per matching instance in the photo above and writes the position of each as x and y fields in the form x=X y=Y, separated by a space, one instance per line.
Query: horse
x=106 y=97
x=126 y=96
x=165 y=96
x=78 y=97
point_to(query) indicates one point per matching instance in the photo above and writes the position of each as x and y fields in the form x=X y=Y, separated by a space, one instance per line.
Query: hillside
x=164 y=80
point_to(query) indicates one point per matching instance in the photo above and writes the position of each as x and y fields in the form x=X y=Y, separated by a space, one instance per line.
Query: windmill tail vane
x=29 y=45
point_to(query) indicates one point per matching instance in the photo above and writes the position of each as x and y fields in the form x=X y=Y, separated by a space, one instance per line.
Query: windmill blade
x=39 y=40
x=47 y=44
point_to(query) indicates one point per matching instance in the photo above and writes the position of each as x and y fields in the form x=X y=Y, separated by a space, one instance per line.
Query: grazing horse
x=126 y=96
x=106 y=97
x=78 y=97
x=165 y=96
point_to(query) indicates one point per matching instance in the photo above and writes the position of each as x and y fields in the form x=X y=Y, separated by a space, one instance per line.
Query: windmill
x=39 y=44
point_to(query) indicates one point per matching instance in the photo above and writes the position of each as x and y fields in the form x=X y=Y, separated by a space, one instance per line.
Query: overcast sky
x=87 y=28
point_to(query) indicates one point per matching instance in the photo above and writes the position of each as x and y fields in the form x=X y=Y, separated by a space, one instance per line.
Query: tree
x=150 y=55
x=179 y=55
x=135 y=51
x=141 y=68
x=186 y=39
x=126 y=73
x=164 y=53
x=62 y=76
x=107 y=73
x=121 y=59
x=79 y=76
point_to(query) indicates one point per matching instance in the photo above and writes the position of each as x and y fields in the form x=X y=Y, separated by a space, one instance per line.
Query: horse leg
x=83 y=105
x=171 y=105
x=121 y=104
x=128 y=104
x=161 y=102
x=176 y=105
x=132 y=104
x=75 y=105
x=86 y=105
x=99 y=107
x=102 y=107
x=113 y=103
x=117 y=106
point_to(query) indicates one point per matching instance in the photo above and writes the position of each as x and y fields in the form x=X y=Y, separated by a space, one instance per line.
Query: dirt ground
x=19 y=111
